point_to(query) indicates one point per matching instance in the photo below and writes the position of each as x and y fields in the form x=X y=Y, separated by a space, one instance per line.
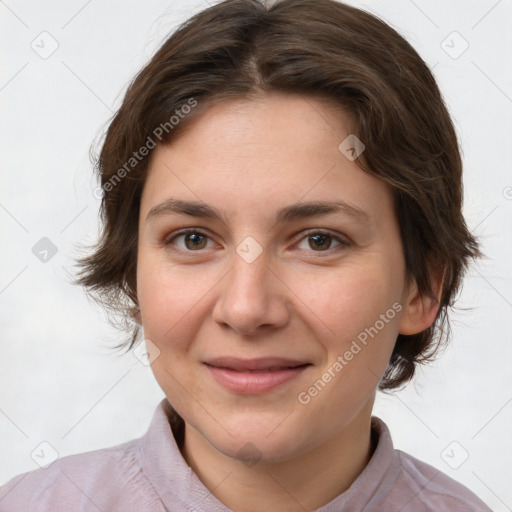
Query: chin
x=258 y=439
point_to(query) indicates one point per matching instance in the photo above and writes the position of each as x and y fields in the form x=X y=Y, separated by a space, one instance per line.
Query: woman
x=282 y=219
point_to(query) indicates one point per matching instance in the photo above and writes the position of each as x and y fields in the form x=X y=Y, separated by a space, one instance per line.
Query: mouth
x=254 y=376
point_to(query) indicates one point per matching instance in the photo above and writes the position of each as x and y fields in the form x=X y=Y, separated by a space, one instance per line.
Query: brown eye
x=319 y=241
x=193 y=240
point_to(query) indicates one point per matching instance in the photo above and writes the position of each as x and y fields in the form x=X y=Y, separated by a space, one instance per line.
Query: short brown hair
x=242 y=48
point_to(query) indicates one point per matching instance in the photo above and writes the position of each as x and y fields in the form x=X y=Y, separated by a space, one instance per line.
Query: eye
x=322 y=240
x=193 y=240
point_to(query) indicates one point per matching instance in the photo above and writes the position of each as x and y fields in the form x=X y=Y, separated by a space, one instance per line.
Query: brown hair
x=242 y=48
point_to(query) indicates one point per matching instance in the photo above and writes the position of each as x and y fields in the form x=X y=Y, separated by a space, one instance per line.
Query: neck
x=304 y=483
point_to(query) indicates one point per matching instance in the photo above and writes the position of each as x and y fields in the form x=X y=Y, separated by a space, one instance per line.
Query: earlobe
x=135 y=315
x=419 y=310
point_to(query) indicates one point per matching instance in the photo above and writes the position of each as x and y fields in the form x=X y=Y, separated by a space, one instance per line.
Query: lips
x=254 y=376
x=267 y=364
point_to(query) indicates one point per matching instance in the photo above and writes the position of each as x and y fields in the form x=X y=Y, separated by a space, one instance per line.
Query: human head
x=325 y=49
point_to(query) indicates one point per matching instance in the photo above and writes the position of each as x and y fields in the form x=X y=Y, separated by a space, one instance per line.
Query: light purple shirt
x=149 y=474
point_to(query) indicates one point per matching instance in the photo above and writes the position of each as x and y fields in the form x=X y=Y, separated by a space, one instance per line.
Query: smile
x=254 y=376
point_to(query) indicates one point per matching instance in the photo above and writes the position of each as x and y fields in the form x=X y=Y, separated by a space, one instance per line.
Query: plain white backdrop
x=65 y=68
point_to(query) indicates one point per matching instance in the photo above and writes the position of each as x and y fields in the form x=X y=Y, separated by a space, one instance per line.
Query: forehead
x=257 y=155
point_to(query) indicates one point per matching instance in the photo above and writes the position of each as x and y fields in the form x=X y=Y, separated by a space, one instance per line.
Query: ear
x=419 y=311
x=135 y=315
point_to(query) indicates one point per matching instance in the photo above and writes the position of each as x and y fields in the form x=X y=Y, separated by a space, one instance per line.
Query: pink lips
x=253 y=376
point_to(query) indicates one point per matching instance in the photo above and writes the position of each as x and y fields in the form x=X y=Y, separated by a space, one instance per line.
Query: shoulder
x=429 y=489
x=101 y=479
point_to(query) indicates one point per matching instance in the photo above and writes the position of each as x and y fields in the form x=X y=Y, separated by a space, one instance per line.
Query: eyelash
x=344 y=243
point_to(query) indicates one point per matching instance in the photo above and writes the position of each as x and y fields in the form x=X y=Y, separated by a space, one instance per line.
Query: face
x=273 y=323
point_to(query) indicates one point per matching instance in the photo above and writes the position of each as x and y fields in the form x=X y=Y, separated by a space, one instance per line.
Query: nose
x=252 y=297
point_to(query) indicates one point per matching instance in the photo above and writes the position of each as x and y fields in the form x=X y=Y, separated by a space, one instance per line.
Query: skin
x=297 y=299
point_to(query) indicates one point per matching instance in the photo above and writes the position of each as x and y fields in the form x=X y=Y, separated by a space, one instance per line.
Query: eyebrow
x=286 y=214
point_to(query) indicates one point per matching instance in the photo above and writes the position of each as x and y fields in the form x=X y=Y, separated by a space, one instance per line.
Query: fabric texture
x=149 y=474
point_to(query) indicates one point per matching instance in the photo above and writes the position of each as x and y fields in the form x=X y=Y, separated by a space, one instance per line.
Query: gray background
x=61 y=383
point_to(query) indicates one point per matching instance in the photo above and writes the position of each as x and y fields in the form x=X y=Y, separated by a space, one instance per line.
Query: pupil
x=316 y=237
x=195 y=238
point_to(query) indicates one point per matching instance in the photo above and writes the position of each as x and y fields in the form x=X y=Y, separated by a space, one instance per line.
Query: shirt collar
x=177 y=484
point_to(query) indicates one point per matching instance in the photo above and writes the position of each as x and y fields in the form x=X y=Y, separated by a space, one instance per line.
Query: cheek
x=170 y=298
x=356 y=304
x=351 y=298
